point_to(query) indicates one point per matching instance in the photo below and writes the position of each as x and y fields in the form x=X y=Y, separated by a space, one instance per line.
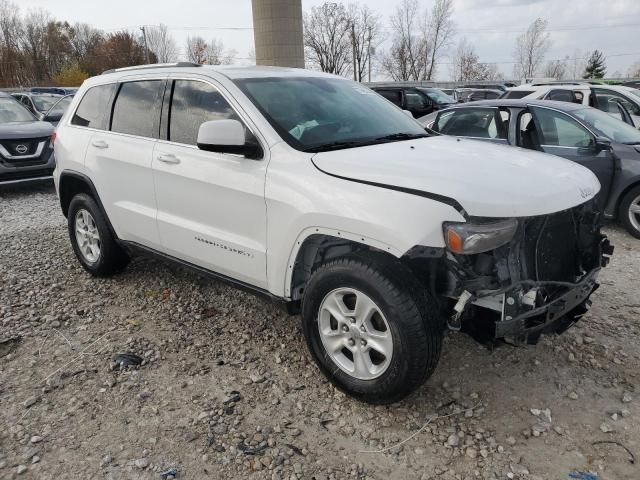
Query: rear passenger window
x=392 y=95
x=194 y=103
x=137 y=108
x=92 y=111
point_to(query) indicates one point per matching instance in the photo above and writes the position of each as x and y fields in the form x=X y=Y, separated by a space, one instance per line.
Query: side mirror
x=227 y=136
x=603 y=143
x=52 y=117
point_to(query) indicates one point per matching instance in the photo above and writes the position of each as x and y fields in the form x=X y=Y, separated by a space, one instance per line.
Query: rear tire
x=92 y=240
x=398 y=347
x=630 y=211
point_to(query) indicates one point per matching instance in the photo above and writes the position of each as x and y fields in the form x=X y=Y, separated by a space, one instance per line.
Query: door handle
x=169 y=158
x=100 y=144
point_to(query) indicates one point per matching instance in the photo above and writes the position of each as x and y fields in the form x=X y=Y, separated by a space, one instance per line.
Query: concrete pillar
x=277 y=30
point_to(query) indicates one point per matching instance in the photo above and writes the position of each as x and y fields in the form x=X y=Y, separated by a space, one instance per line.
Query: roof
x=230 y=71
x=523 y=102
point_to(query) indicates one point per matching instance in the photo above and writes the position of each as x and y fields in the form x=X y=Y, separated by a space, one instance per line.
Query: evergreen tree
x=596 y=67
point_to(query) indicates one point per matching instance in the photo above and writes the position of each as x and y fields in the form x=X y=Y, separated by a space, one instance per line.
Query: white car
x=315 y=191
x=602 y=97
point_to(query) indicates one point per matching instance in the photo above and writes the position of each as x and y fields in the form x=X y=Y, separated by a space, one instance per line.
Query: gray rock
x=141 y=463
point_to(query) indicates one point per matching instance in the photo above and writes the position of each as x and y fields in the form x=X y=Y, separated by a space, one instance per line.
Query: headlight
x=471 y=238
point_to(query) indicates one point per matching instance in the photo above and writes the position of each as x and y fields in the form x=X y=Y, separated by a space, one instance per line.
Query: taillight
x=53 y=138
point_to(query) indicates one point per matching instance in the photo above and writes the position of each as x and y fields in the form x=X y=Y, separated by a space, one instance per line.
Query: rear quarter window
x=92 y=111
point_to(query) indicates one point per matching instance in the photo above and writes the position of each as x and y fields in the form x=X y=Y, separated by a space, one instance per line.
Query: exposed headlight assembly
x=471 y=238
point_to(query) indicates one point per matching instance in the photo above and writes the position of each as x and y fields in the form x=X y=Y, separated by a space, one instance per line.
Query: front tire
x=371 y=328
x=630 y=211
x=92 y=240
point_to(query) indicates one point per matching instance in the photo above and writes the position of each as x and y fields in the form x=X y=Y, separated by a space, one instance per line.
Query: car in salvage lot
x=607 y=98
x=26 y=153
x=608 y=147
x=319 y=193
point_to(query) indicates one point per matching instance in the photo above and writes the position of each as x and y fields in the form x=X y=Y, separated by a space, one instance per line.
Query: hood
x=24 y=130
x=486 y=179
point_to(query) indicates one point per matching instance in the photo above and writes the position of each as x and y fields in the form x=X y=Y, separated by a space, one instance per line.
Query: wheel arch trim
x=81 y=177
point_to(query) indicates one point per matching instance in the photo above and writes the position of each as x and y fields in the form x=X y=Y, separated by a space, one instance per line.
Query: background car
x=37 y=103
x=603 y=97
x=475 y=94
x=489 y=86
x=26 y=153
x=54 y=114
x=56 y=90
x=608 y=147
x=418 y=100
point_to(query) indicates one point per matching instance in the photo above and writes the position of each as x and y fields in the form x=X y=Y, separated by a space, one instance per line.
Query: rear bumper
x=555 y=316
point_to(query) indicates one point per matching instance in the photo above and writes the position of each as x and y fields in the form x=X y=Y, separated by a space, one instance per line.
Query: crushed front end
x=538 y=280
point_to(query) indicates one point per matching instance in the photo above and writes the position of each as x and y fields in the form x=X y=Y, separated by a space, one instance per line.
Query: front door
x=559 y=134
x=211 y=206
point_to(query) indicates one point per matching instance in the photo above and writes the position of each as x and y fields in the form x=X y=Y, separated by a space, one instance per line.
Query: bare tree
x=197 y=50
x=467 y=66
x=327 y=37
x=162 y=43
x=367 y=34
x=12 y=69
x=531 y=48
x=209 y=53
x=407 y=57
x=556 y=69
x=440 y=32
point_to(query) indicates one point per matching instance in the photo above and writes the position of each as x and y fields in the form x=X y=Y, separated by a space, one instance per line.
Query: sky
x=577 y=26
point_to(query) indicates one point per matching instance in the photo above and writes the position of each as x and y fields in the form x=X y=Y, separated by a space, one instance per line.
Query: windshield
x=318 y=114
x=44 y=103
x=609 y=126
x=438 y=96
x=12 y=111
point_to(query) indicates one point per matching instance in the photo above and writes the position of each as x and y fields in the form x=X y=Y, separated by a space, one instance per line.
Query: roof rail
x=152 y=65
x=557 y=82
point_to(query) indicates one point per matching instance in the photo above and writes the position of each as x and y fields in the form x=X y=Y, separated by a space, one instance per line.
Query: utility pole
x=369 y=53
x=146 y=48
x=353 y=48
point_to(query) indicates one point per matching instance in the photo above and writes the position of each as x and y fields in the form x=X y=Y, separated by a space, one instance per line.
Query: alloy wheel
x=355 y=333
x=87 y=236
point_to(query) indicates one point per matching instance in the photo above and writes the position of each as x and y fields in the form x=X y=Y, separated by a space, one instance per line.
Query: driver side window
x=560 y=130
x=193 y=103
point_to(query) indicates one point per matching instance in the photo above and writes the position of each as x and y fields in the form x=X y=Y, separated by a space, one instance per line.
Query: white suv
x=316 y=191
x=608 y=98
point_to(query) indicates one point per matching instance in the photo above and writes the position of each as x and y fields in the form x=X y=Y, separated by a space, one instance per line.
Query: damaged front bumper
x=555 y=316
x=538 y=283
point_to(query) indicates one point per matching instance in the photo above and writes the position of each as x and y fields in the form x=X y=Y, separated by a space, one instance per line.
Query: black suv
x=25 y=143
x=420 y=101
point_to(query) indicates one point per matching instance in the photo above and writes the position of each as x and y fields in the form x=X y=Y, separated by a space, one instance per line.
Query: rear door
x=559 y=134
x=120 y=160
x=211 y=206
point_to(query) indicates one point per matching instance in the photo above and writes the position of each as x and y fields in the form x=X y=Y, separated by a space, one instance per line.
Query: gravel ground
x=228 y=390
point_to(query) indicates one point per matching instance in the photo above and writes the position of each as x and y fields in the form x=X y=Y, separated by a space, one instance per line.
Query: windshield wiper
x=363 y=143
x=325 y=147
x=402 y=136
